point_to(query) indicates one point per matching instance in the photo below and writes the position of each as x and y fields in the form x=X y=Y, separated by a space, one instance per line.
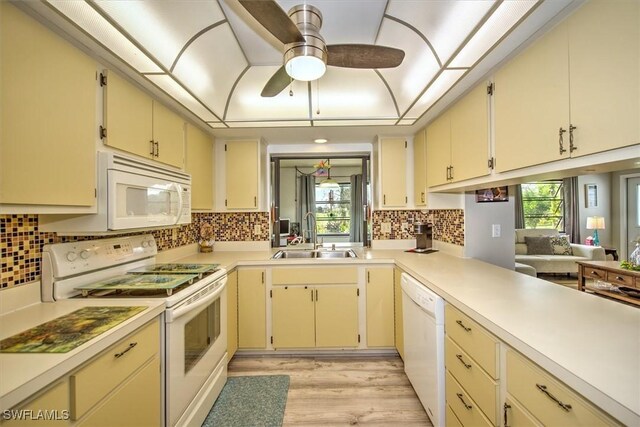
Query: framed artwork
x=590 y=195
x=495 y=194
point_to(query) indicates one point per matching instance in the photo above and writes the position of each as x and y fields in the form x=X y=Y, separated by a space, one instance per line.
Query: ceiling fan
x=306 y=55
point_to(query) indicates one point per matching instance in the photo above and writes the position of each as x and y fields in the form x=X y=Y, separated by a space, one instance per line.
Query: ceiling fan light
x=320 y=140
x=305 y=67
x=329 y=183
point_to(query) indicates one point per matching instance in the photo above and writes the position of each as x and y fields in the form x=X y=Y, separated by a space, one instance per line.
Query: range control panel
x=73 y=258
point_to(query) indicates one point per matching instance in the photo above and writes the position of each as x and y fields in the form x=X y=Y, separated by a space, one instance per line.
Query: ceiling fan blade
x=276 y=83
x=363 y=56
x=274 y=19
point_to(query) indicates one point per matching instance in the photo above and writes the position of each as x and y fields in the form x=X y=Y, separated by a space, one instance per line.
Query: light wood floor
x=332 y=391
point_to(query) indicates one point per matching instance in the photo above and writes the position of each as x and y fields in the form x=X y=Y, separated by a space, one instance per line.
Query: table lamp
x=595 y=223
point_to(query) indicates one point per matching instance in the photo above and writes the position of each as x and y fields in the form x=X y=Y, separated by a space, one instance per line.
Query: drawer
x=314 y=275
x=550 y=401
x=516 y=416
x=482 y=388
x=94 y=381
x=594 y=273
x=451 y=420
x=620 y=279
x=464 y=408
x=473 y=338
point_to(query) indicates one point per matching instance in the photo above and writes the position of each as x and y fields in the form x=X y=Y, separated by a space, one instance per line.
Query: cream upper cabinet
x=604 y=74
x=48 y=94
x=380 y=307
x=393 y=179
x=252 y=317
x=242 y=174
x=574 y=92
x=135 y=123
x=420 y=168
x=458 y=140
x=199 y=163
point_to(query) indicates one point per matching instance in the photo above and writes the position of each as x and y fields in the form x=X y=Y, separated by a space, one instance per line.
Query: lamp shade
x=595 y=223
x=329 y=183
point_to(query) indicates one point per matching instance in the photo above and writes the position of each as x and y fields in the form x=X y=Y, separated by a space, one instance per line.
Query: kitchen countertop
x=590 y=343
x=22 y=374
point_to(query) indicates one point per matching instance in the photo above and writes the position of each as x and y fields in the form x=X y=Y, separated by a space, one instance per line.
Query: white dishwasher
x=423 y=316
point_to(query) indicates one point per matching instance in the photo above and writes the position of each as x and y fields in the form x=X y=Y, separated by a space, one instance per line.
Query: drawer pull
x=468 y=407
x=122 y=353
x=459 y=322
x=506 y=407
x=466 y=365
x=595 y=273
x=619 y=278
x=543 y=388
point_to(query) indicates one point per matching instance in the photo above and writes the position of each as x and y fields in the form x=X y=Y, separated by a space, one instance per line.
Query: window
x=333 y=209
x=543 y=204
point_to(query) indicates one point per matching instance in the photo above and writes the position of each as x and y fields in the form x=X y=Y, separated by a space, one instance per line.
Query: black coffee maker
x=424 y=236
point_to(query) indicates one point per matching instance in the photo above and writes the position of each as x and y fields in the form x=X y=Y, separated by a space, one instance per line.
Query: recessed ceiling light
x=320 y=140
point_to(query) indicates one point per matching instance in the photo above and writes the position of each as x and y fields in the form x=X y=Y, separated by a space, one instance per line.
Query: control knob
x=72 y=256
x=145 y=244
x=85 y=254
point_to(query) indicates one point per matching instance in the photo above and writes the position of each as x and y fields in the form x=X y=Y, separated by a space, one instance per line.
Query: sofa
x=532 y=249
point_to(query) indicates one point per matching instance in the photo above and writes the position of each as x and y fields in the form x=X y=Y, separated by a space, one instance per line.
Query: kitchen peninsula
x=535 y=317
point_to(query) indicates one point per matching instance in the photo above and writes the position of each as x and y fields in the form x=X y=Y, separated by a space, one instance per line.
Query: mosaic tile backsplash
x=21 y=242
x=448 y=224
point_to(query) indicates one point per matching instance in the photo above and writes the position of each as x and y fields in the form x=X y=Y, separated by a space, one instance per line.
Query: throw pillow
x=561 y=245
x=539 y=245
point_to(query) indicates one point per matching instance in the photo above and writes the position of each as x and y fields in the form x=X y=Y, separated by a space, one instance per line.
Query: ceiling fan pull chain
x=318 y=97
x=290 y=87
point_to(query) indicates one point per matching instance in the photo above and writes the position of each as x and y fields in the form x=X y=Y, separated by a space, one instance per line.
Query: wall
x=479 y=219
x=448 y=224
x=21 y=242
x=603 y=209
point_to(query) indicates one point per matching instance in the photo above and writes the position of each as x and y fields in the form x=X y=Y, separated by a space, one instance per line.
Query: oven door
x=138 y=201
x=196 y=337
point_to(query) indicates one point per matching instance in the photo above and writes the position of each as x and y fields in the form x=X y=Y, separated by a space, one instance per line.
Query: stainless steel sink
x=318 y=254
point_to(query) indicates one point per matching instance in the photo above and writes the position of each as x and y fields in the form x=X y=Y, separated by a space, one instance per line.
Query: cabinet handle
x=459 y=322
x=368 y=277
x=506 y=407
x=561 y=140
x=572 y=147
x=316 y=295
x=466 y=365
x=153 y=148
x=451 y=174
x=468 y=407
x=422 y=196
x=255 y=201
x=157 y=144
x=122 y=353
x=262 y=275
x=311 y=295
x=384 y=199
x=543 y=389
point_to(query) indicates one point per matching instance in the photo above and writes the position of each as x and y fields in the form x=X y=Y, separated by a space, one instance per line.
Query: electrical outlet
x=405 y=227
x=174 y=234
x=257 y=229
x=495 y=230
x=385 y=227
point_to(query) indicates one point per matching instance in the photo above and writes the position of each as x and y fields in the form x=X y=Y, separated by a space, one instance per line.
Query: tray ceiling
x=214 y=59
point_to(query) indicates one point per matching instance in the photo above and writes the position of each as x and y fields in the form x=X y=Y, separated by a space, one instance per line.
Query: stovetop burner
x=177 y=268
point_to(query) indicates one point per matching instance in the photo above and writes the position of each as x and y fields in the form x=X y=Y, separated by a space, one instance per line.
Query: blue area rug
x=250 y=401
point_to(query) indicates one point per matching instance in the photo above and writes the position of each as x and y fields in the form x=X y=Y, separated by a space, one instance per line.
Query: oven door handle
x=174 y=314
x=178 y=188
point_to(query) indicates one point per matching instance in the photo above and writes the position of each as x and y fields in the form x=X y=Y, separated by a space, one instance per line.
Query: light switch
x=257 y=229
x=385 y=227
x=495 y=230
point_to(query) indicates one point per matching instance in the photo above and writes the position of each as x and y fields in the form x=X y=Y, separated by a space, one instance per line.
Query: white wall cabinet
x=48 y=92
x=392 y=173
x=199 y=163
x=242 y=174
x=420 y=168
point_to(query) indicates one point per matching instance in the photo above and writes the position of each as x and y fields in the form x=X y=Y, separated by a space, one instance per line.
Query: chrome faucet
x=315 y=228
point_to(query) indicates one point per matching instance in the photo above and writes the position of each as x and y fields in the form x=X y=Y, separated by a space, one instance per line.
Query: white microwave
x=132 y=194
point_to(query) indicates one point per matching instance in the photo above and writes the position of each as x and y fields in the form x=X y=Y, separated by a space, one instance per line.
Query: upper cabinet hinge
x=490 y=89
x=103 y=79
x=103 y=132
x=491 y=163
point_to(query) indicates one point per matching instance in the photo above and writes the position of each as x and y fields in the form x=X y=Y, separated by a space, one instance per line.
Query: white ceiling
x=213 y=59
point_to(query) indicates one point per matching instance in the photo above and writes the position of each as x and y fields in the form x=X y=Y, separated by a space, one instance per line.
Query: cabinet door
x=337 y=316
x=293 y=317
x=232 y=314
x=397 y=303
x=168 y=133
x=137 y=403
x=128 y=116
x=604 y=49
x=251 y=308
x=48 y=114
x=532 y=103
x=420 y=168
x=470 y=135
x=54 y=399
x=380 y=294
x=199 y=163
x=241 y=174
x=439 y=150
x=516 y=416
x=393 y=166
